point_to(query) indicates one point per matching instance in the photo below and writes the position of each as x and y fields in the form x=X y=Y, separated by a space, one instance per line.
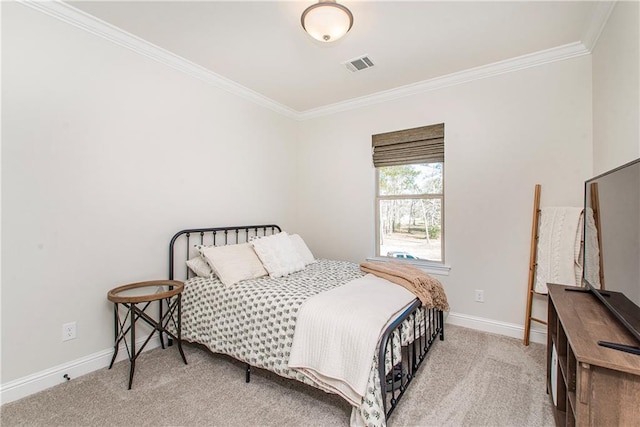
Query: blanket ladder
x=532 y=266
x=595 y=203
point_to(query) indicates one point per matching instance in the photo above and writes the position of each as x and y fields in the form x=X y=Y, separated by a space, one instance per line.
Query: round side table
x=144 y=293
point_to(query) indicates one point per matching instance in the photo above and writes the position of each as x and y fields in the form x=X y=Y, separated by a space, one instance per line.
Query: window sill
x=429 y=267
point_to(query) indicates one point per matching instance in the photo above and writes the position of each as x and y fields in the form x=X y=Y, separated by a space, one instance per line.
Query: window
x=410 y=193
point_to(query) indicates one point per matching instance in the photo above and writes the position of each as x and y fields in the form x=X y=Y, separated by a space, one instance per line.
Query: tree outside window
x=410 y=215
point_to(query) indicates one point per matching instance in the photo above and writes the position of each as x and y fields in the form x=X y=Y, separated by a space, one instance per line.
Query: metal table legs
x=133 y=314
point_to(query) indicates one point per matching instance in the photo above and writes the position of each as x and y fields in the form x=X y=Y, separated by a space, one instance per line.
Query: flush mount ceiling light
x=327 y=20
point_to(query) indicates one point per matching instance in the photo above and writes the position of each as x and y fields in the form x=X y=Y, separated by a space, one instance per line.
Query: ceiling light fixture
x=327 y=20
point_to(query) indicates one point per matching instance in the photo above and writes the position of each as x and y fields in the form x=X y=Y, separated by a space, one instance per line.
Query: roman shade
x=418 y=145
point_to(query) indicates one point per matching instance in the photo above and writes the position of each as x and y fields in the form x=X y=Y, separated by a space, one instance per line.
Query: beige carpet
x=472 y=379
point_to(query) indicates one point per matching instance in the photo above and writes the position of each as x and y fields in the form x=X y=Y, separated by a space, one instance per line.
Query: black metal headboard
x=217 y=236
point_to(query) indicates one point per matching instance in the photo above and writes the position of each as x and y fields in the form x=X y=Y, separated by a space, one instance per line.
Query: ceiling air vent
x=358 y=64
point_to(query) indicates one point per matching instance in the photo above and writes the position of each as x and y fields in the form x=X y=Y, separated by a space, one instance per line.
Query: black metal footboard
x=414 y=332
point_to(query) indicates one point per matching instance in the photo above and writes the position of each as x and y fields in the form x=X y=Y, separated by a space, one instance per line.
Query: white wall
x=616 y=89
x=502 y=136
x=106 y=154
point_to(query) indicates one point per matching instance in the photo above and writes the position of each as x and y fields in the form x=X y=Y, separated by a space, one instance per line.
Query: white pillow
x=278 y=255
x=199 y=266
x=302 y=249
x=233 y=263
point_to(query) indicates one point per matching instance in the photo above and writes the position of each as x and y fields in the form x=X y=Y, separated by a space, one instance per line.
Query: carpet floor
x=471 y=378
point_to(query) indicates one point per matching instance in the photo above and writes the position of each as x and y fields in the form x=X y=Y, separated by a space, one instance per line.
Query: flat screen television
x=613 y=199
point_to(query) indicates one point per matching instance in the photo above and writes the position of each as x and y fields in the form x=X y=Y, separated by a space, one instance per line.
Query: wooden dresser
x=595 y=386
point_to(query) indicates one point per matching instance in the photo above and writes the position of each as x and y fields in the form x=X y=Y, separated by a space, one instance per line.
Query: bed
x=255 y=320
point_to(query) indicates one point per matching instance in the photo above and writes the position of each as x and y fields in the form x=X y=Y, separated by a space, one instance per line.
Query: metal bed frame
x=427 y=324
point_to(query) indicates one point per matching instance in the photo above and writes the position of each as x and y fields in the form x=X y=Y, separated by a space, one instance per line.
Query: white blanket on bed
x=337 y=333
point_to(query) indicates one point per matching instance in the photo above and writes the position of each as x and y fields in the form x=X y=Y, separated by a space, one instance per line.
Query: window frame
x=440 y=196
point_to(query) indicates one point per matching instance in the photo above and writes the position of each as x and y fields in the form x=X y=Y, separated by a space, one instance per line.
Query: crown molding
x=599 y=17
x=69 y=14
x=514 y=64
x=93 y=25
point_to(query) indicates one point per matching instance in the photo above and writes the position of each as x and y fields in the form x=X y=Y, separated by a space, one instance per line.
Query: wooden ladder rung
x=532 y=264
x=539 y=321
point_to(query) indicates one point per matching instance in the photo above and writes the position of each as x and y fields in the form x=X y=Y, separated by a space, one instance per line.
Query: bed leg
x=441 y=321
x=248 y=374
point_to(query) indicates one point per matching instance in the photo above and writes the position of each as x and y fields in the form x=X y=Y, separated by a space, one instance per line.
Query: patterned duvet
x=254 y=321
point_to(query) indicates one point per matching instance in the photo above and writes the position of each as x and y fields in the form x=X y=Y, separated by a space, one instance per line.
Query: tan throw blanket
x=337 y=333
x=426 y=288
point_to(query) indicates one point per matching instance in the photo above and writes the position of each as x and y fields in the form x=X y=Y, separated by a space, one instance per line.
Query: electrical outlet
x=479 y=295
x=69 y=331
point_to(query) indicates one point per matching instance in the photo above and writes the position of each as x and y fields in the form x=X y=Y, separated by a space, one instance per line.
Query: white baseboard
x=502 y=328
x=43 y=380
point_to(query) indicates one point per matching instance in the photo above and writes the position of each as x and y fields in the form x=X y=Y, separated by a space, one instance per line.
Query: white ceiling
x=261 y=45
